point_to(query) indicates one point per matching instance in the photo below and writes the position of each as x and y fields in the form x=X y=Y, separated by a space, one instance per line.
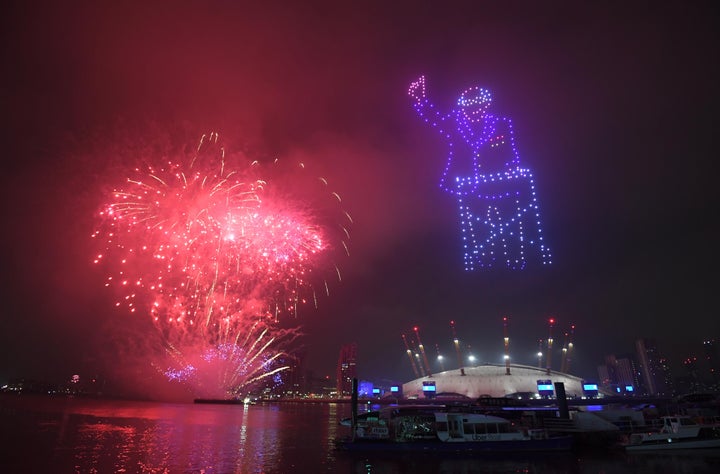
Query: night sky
x=614 y=109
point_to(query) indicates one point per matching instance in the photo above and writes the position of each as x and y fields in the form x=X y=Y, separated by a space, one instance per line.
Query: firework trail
x=215 y=253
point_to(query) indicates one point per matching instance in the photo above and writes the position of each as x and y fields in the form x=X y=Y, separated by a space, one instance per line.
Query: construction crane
x=568 y=355
x=422 y=352
x=551 y=323
x=563 y=359
x=456 y=341
x=567 y=349
x=506 y=340
x=540 y=353
x=440 y=358
x=410 y=356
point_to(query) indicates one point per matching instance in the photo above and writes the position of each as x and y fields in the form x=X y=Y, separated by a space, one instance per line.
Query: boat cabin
x=479 y=427
x=680 y=425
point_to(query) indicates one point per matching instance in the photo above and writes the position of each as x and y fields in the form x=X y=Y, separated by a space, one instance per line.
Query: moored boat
x=226 y=401
x=677 y=432
x=428 y=429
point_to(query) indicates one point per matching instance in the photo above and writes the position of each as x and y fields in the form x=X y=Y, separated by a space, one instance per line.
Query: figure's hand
x=417 y=89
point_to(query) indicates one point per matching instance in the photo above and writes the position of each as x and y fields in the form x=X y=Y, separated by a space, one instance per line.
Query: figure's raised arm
x=423 y=106
x=417 y=89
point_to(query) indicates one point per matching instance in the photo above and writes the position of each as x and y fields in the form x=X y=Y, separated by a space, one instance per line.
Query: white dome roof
x=492 y=380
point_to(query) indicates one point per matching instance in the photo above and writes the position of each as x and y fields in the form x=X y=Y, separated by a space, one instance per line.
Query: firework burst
x=215 y=251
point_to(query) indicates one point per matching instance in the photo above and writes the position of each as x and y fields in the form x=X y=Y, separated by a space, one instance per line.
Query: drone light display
x=499 y=211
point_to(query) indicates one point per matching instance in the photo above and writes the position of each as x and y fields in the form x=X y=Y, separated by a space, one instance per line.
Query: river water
x=81 y=435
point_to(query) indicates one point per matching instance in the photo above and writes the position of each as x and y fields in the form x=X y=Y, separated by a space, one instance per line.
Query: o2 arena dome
x=492 y=380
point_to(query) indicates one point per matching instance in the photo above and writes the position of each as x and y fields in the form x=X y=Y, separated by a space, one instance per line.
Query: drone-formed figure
x=499 y=213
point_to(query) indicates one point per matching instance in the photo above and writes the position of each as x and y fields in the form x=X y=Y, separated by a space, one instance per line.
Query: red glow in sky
x=614 y=110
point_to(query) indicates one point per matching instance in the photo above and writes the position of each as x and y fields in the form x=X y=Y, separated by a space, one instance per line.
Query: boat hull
x=675 y=445
x=561 y=443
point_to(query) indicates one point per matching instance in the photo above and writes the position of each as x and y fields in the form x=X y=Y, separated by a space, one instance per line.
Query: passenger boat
x=677 y=432
x=427 y=429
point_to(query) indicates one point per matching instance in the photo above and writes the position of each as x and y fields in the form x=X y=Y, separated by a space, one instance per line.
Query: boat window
x=686 y=421
x=468 y=428
x=480 y=428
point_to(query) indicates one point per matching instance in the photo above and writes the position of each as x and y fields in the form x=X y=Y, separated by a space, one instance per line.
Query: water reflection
x=600 y=462
x=100 y=436
x=451 y=463
x=94 y=437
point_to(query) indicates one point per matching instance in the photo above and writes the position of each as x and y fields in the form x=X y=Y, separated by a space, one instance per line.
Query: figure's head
x=474 y=103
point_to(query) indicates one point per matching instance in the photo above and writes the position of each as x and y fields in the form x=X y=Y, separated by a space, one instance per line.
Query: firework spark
x=214 y=253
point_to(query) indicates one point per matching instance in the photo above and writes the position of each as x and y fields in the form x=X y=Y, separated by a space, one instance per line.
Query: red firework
x=206 y=244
